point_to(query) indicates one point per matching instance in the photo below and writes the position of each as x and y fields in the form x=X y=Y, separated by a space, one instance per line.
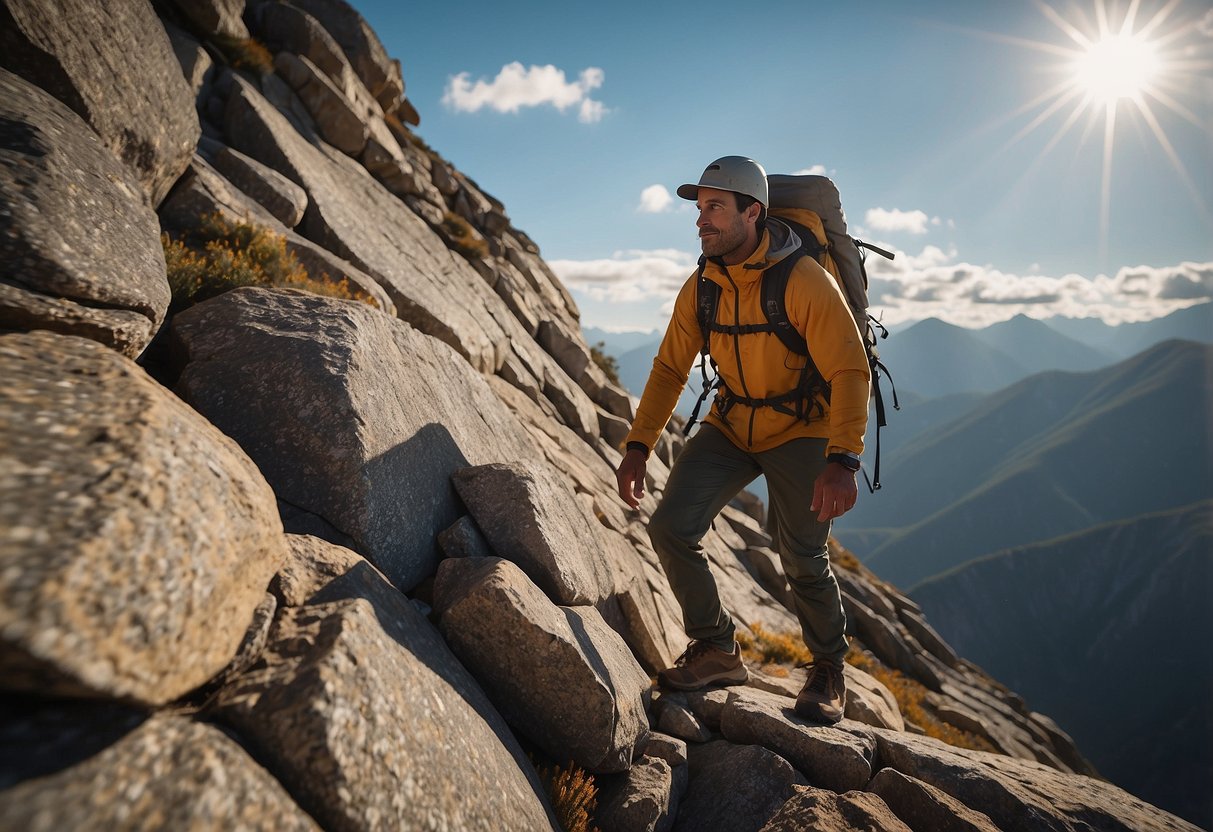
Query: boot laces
x=821 y=676
x=694 y=650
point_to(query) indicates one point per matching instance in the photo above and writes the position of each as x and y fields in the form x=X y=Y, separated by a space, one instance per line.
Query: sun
x=1135 y=62
x=1118 y=66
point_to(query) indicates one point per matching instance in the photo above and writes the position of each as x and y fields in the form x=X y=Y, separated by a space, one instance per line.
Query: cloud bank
x=928 y=284
x=517 y=87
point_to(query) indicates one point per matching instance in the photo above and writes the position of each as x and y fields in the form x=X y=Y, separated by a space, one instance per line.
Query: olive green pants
x=708 y=473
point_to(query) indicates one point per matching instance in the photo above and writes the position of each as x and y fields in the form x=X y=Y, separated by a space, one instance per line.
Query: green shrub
x=220 y=255
x=606 y=363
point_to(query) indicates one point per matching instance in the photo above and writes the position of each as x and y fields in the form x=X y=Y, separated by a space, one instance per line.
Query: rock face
x=362 y=421
x=81 y=250
x=136 y=99
x=370 y=570
x=141 y=584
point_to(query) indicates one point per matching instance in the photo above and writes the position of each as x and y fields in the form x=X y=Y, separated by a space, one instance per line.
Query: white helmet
x=731 y=173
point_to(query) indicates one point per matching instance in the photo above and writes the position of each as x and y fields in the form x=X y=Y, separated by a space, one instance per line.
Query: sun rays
x=1122 y=63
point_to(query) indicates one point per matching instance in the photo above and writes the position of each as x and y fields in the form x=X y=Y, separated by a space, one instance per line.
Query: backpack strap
x=707 y=298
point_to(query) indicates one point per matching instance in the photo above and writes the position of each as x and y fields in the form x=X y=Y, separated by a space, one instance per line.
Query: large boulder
x=113 y=64
x=825 y=811
x=358 y=219
x=642 y=799
x=351 y=415
x=734 y=788
x=530 y=516
x=360 y=709
x=80 y=249
x=560 y=675
x=168 y=773
x=137 y=539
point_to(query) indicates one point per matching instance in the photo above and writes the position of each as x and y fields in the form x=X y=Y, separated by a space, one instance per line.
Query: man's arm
x=838 y=352
x=671 y=368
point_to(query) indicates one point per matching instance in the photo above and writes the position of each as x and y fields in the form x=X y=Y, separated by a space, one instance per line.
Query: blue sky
x=922 y=114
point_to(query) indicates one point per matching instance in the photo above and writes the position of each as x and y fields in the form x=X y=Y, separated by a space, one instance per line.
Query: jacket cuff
x=639 y=446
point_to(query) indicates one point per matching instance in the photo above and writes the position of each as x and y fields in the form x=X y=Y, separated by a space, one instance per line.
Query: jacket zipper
x=737 y=351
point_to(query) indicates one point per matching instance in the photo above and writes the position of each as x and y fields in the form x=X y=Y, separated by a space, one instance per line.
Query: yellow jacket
x=758 y=365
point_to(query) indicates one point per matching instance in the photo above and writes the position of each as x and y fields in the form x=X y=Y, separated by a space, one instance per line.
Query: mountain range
x=1053 y=454
x=1122 y=609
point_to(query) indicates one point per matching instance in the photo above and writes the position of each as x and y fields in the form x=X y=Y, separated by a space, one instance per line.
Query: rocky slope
x=318 y=563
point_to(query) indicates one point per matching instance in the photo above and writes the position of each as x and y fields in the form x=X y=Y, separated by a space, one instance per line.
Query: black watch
x=847 y=460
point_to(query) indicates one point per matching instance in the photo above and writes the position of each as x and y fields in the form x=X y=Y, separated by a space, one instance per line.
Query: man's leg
x=706 y=475
x=791 y=469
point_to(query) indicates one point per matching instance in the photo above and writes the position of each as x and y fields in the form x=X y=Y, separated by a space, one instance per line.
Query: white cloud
x=654 y=199
x=516 y=87
x=629 y=276
x=815 y=170
x=932 y=285
x=914 y=222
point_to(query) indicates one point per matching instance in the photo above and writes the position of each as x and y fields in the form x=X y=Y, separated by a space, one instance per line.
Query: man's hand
x=630 y=476
x=834 y=492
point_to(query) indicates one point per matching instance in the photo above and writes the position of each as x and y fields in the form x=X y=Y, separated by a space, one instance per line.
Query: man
x=809 y=454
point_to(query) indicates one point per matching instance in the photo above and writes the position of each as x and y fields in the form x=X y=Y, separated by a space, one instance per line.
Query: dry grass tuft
x=573 y=796
x=246 y=53
x=910 y=694
x=220 y=255
x=462 y=237
x=768 y=649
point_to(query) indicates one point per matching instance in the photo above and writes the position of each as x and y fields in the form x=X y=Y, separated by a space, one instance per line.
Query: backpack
x=823 y=236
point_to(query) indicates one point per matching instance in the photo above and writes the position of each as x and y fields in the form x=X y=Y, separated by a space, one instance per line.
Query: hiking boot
x=824 y=695
x=703 y=664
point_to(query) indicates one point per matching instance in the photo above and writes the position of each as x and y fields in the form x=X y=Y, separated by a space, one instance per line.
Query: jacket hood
x=783 y=241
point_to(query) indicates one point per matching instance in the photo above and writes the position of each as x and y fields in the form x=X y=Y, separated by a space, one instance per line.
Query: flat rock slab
x=114 y=65
x=135 y=538
x=734 y=788
x=560 y=675
x=362 y=712
x=351 y=415
x=80 y=249
x=828 y=757
x=825 y=811
x=923 y=806
x=168 y=773
x=1020 y=794
x=530 y=516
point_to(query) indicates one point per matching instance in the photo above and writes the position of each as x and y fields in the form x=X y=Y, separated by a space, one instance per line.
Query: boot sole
x=724 y=679
x=816 y=713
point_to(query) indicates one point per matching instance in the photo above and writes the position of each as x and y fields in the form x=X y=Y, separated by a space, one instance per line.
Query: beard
x=724 y=241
